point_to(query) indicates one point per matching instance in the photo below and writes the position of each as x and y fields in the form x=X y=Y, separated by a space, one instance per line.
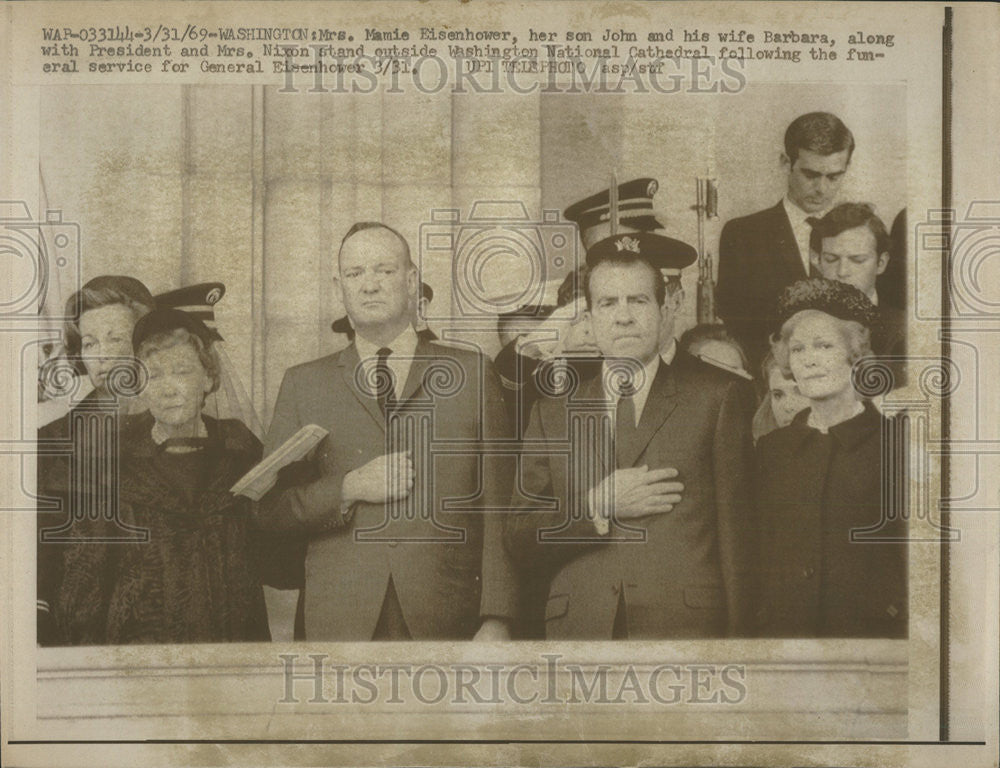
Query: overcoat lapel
x=353 y=380
x=424 y=354
x=660 y=403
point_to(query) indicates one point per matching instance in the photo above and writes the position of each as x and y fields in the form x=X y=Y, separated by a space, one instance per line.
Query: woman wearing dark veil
x=196 y=578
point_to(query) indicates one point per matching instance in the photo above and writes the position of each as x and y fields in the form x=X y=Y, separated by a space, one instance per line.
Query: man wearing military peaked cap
x=670 y=256
x=678 y=467
x=619 y=221
x=634 y=203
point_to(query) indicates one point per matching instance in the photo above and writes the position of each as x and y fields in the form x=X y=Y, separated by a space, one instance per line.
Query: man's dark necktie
x=624 y=420
x=811 y=271
x=385 y=382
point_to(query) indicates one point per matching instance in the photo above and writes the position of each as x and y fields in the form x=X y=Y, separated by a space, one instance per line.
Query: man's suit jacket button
x=808 y=572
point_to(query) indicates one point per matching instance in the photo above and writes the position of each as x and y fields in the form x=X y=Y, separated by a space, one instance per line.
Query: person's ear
x=883 y=262
x=786 y=163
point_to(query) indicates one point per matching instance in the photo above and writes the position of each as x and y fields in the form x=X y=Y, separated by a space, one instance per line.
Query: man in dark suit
x=400 y=541
x=762 y=253
x=649 y=534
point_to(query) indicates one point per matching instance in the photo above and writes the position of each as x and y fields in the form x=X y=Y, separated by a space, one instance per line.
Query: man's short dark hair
x=361 y=226
x=849 y=216
x=819 y=132
x=661 y=287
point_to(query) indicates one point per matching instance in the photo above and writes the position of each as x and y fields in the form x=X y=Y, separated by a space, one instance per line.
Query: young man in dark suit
x=648 y=533
x=761 y=254
x=401 y=543
x=851 y=245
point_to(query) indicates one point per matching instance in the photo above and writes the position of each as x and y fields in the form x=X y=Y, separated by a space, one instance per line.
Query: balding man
x=399 y=544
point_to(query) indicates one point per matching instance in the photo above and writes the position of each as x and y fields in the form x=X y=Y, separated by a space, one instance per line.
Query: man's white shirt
x=643 y=383
x=801 y=228
x=403 y=347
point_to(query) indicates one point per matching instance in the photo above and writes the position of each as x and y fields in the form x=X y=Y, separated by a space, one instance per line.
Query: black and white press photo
x=407 y=382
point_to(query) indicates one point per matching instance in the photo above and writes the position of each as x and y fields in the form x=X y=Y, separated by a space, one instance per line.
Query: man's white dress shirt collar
x=403 y=347
x=644 y=383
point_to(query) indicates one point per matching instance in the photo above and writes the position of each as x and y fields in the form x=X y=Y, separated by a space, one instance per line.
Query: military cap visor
x=664 y=253
x=635 y=206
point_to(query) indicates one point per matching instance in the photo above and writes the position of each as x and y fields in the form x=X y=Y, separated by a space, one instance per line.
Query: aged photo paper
x=481 y=383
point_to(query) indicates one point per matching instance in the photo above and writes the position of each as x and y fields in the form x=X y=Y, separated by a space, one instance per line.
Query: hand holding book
x=259 y=480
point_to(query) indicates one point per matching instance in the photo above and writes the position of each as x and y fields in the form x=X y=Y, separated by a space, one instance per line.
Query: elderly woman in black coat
x=196 y=577
x=832 y=557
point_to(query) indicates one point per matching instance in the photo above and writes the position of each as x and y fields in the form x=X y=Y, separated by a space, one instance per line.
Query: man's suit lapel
x=349 y=361
x=590 y=395
x=660 y=403
x=785 y=243
x=423 y=356
x=353 y=379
